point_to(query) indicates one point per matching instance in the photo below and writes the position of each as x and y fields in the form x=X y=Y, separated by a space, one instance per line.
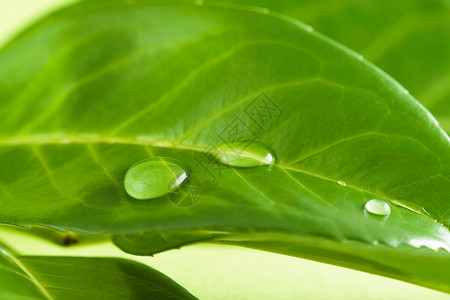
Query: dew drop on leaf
x=405 y=91
x=378 y=207
x=155 y=177
x=245 y=156
x=340 y=182
x=163 y=143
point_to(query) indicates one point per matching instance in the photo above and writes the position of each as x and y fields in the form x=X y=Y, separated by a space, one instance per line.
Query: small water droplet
x=253 y=155
x=432 y=118
x=378 y=207
x=405 y=91
x=309 y=28
x=163 y=143
x=360 y=57
x=428 y=242
x=340 y=182
x=414 y=207
x=266 y=11
x=155 y=177
x=199 y=2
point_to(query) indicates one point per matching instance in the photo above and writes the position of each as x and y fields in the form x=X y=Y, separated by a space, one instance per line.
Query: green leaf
x=109 y=84
x=150 y=243
x=419 y=266
x=40 y=277
x=407 y=39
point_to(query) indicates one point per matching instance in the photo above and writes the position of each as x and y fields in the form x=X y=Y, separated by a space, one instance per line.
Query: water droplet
x=378 y=207
x=432 y=118
x=199 y=2
x=414 y=207
x=155 y=177
x=340 y=182
x=360 y=57
x=253 y=155
x=163 y=143
x=266 y=11
x=309 y=28
x=427 y=242
x=405 y=91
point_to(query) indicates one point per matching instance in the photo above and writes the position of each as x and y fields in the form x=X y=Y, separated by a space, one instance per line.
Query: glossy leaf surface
x=110 y=84
x=409 y=39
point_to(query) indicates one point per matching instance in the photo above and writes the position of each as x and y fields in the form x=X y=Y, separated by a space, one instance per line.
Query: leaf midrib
x=33 y=279
x=61 y=140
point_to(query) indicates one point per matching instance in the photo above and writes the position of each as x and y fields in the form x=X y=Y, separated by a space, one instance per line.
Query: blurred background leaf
x=409 y=39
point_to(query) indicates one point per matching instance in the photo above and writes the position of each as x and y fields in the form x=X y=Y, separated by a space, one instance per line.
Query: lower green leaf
x=41 y=277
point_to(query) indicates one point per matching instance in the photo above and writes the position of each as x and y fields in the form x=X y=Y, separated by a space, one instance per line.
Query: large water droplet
x=248 y=156
x=155 y=177
x=378 y=207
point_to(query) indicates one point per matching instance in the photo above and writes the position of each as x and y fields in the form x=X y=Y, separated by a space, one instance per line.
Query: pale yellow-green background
x=219 y=272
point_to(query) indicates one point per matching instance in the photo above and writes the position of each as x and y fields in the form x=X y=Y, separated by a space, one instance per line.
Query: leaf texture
x=110 y=83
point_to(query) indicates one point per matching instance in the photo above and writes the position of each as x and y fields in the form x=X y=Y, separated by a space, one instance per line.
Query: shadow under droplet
x=105 y=196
